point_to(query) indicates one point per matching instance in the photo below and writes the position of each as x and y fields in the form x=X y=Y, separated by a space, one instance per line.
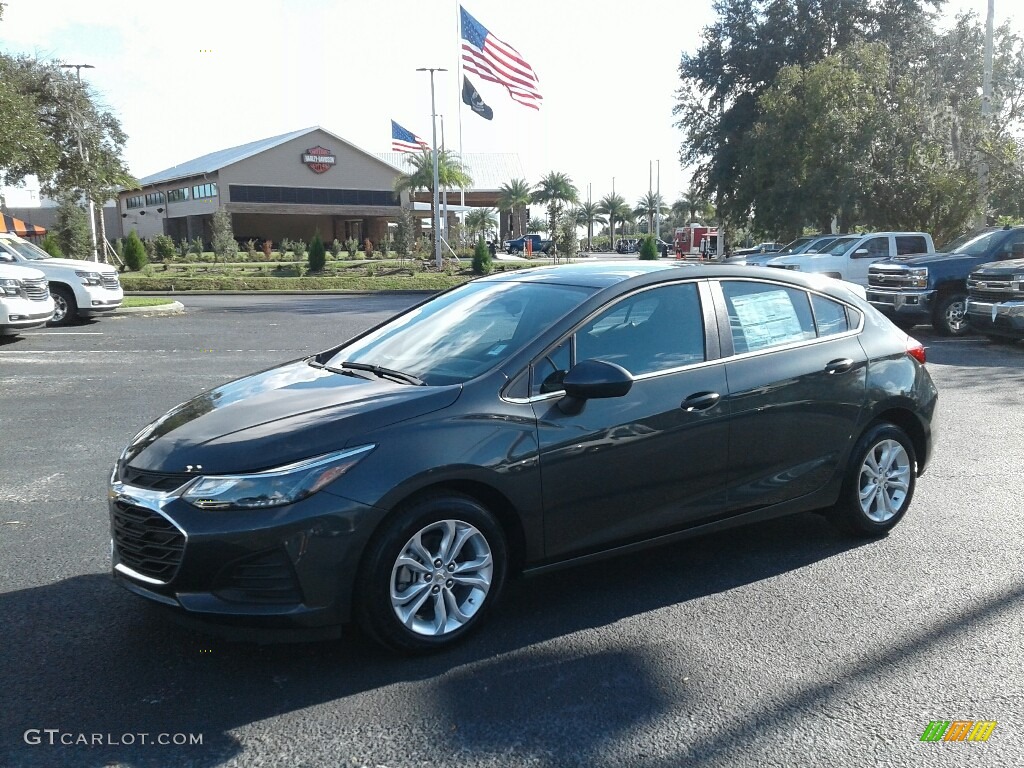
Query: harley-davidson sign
x=319 y=159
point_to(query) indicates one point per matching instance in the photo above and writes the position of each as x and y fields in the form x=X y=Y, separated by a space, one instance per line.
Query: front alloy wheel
x=951 y=316
x=431 y=573
x=879 y=483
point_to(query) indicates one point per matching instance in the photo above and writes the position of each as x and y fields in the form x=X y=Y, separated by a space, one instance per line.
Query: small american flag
x=406 y=141
x=492 y=59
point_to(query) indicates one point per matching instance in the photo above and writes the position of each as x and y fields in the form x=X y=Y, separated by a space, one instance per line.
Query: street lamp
x=85 y=159
x=433 y=127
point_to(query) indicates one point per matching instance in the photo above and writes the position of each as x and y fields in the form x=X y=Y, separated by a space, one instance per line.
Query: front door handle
x=841 y=365
x=700 y=401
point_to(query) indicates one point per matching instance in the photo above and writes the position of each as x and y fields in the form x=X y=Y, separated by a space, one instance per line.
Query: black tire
x=887 y=450
x=65 y=307
x=427 y=520
x=950 y=316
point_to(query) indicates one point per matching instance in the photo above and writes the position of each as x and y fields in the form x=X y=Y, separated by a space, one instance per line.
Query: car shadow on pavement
x=87 y=658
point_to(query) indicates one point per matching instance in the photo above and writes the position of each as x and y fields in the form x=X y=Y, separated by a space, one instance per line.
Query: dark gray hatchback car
x=521 y=422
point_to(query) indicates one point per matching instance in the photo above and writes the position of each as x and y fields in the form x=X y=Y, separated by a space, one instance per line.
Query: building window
x=245 y=193
x=204 y=190
x=155 y=198
x=135 y=202
x=177 y=195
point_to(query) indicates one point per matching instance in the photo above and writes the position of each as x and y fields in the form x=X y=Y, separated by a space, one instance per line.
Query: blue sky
x=190 y=77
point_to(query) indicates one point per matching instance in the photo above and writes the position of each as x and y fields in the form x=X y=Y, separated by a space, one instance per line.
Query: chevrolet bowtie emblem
x=193 y=468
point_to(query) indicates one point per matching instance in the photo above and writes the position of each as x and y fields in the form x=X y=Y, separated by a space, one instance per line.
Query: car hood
x=1009 y=266
x=924 y=259
x=19 y=272
x=77 y=264
x=282 y=415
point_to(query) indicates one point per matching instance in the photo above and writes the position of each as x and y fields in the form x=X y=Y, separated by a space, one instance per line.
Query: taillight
x=916 y=350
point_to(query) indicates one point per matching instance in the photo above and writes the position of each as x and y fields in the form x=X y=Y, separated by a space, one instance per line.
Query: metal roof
x=489 y=170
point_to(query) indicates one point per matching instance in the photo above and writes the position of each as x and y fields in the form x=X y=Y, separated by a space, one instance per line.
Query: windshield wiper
x=387 y=373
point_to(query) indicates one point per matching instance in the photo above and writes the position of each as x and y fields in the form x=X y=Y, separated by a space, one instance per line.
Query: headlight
x=90 y=278
x=794 y=267
x=274 y=487
x=1019 y=280
x=10 y=286
x=918 y=277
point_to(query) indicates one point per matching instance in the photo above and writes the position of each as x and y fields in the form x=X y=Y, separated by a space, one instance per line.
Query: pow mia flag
x=471 y=97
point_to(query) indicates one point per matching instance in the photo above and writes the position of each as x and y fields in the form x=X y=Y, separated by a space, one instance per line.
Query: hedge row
x=418 y=282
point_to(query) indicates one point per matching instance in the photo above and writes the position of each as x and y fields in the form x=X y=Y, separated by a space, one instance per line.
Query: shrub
x=184 y=247
x=197 y=246
x=336 y=248
x=352 y=246
x=299 y=249
x=368 y=248
x=150 y=247
x=648 y=250
x=267 y=247
x=119 y=248
x=51 y=246
x=164 y=247
x=481 y=258
x=284 y=247
x=250 y=250
x=224 y=244
x=317 y=254
x=134 y=252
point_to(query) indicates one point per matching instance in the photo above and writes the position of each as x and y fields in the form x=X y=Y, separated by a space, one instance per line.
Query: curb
x=174 y=308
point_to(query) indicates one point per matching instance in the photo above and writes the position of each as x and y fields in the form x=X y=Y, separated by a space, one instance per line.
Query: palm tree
x=650 y=205
x=512 y=197
x=586 y=215
x=451 y=174
x=614 y=207
x=480 y=221
x=555 y=191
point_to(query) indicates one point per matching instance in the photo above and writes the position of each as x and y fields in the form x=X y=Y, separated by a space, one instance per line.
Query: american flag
x=492 y=59
x=406 y=141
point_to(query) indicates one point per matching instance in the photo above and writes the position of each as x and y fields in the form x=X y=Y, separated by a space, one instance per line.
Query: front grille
x=147 y=542
x=887 y=279
x=110 y=281
x=994 y=281
x=264 y=578
x=36 y=288
x=154 y=481
x=979 y=294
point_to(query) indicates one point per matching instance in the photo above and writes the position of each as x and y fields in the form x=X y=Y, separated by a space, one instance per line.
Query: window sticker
x=768 y=318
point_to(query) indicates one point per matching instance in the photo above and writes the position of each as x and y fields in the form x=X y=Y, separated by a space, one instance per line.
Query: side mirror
x=593 y=379
x=861 y=252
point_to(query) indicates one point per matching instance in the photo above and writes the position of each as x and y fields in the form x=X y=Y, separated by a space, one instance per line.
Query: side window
x=654 y=330
x=549 y=370
x=878 y=247
x=829 y=316
x=765 y=315
x=1013 y=248
x=910 y=244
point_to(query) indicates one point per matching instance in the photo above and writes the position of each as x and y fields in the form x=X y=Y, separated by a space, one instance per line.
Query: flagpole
x=444 y=193
x=433 y=128
x=458 y=89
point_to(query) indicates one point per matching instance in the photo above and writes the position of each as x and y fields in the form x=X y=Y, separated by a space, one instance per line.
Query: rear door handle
x=700 y=401
x=841 y=365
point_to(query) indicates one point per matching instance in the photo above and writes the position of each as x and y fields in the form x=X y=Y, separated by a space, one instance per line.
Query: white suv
x=849 y=256
x=80 y=289
x=25 y=300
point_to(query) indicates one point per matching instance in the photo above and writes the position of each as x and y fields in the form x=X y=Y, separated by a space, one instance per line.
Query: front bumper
x=284 y=567
x=913 y=304
x=100 y=300
x=15 y=322
x=996 y=318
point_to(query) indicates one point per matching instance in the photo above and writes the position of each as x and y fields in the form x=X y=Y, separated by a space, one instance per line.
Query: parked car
x=805 y=244
x=536 y=244
x=995 y=299
x=627 y=245
x=759 y=248
x=25 y=300
x=400 y=478
x=849 y=257
x=932 y=288
x=80 y=289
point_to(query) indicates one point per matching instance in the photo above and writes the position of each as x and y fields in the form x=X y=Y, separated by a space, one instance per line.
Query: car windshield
x=973 y=243
x=793 y=246
x=462 y=333
x=25 y=249
x=840 y=246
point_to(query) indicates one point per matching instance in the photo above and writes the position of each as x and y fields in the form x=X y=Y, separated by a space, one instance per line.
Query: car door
x=630 y=467
x=796 y=384
x=864 y=255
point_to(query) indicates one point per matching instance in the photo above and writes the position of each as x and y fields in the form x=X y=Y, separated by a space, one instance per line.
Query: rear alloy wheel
x=65 y=308
x=879 y=483
x=951 y=315
x=432 y=574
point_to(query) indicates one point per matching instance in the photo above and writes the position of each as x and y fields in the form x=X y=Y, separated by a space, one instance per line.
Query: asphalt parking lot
x=781 y=644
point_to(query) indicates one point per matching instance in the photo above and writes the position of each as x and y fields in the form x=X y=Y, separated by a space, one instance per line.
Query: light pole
x=986 y=109
x=85 y=159
x=657 y=214
x=433 y=128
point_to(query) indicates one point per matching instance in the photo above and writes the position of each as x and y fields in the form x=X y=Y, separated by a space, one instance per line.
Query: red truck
x=688 y=239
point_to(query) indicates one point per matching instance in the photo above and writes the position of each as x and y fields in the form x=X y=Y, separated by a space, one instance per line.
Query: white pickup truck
x=849 y=256
x=25 y=300
x=80 y=289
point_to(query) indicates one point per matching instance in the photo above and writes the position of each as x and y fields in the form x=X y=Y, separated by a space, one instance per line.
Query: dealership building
x=295 y=185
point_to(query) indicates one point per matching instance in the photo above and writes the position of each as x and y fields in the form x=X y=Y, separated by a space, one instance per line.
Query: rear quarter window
x=910 y=244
